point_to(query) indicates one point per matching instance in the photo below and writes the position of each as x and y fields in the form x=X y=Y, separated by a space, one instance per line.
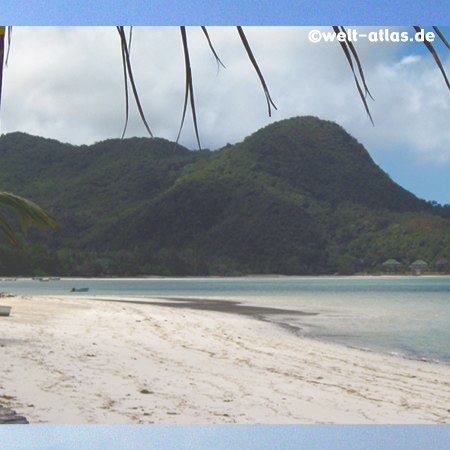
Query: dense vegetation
x=300 y=196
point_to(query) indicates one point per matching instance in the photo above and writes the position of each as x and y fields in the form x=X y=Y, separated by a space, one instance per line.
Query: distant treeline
x=39 y=260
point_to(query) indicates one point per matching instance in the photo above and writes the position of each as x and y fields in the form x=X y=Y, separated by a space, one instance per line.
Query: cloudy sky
x=229 y=437
x=66 y=83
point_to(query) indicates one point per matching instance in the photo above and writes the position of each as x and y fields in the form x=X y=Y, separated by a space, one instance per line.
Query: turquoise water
x=407 y=316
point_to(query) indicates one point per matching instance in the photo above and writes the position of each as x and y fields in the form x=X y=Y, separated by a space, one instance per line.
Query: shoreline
x=75 y=360
x=194 y=277
x=262 y=313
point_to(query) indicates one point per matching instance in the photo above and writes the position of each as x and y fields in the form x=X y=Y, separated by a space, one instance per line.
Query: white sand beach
x=74 y=360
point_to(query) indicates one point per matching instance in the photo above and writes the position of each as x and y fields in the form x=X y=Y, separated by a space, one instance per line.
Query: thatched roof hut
x=392 y=264
x=418 y=266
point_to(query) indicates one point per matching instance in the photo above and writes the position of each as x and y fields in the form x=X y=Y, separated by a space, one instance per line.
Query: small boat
x=5 y=310
x=54 y=279
x=79 y=289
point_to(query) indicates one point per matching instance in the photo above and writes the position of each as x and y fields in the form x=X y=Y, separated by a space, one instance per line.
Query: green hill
x=300 y=196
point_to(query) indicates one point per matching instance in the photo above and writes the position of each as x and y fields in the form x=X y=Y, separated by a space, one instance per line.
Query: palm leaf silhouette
x=29 y=214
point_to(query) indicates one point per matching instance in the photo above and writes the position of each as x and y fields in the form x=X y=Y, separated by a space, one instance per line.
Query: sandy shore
x=73 y=360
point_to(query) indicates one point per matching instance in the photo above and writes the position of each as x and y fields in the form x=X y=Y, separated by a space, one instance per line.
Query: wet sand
x=202 y=304
x=78 y=360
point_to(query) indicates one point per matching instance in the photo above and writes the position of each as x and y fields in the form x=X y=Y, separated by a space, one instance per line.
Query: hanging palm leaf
x=29 y=213
x=2 y=55
x=258 y=71
x=434 y=53
x=350 y=53
x=189 y=89
x=128 y=75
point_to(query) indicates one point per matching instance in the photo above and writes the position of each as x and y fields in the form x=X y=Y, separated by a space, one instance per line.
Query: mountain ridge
x=300 y=196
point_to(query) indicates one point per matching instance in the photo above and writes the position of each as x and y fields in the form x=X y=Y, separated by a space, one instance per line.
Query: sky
x=230 y=12
x=66 y=83
x=226 y=437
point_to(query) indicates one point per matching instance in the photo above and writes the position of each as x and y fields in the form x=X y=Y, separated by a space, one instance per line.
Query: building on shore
x=392 y=264
x=418 y=267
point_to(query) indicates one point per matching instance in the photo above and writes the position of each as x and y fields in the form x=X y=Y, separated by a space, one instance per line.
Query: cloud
x=67 y=83
x=412 y=109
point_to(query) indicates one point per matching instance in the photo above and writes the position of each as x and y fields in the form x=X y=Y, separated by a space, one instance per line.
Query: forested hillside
x=300 y=196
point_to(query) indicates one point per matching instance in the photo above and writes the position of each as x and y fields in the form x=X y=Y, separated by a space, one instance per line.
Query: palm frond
x=128 y=75
x=29 y=214
x=3 y=61
x=127 y=101
x=349 y=50
x=258 y=71
x=2 y=55
x=6 y=229
x=9 y=44
x=434 y=53
x=189 y=89
x=218 y=61
x=439 y=33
